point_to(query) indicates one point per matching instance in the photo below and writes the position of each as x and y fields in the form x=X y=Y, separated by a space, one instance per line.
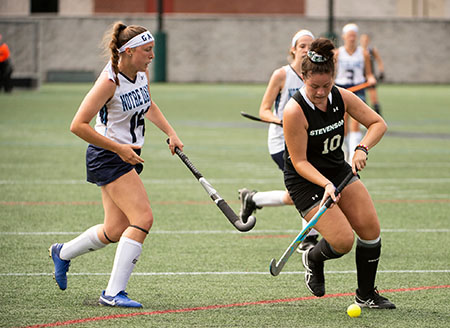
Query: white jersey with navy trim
x=350 y=68
x=292 y=84
x=122 y=118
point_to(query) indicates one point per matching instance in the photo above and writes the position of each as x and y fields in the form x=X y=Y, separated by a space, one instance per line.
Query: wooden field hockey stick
x=276 y=267
x=220 y=202
x=254 y=118
x=358 y=87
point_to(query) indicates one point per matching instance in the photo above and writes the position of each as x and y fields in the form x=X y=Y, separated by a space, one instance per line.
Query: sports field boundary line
x=212 y=273
x=198 y=202
x=418 y=135
x=221 y=306
x=207 y=232
x=226 y=181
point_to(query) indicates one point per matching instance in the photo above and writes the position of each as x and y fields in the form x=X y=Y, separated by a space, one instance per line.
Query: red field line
x=49 y=203
x=221 y=306
x=98 y=203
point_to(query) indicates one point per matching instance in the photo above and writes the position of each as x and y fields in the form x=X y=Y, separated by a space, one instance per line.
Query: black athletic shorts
x=306 y=195
x=104 y=166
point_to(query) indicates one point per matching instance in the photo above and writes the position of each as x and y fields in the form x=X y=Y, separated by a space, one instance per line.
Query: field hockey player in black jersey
x=313 y=123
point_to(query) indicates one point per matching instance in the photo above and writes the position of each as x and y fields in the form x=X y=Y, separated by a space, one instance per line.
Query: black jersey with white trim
x=325 y=132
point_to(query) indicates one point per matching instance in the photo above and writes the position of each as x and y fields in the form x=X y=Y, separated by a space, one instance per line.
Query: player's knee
x=145 y=220
x=113 y=233
x=369 y=229
x=287 y=200
x=344 y=244
x=147 y=225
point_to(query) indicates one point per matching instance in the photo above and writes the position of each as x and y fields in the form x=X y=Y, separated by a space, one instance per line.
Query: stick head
x=244 y=227
x=274 y=270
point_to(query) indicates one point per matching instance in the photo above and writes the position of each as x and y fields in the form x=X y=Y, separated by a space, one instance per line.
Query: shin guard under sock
x=322 y=252
x=88 y=241
x=127 y=254
x=367 y=258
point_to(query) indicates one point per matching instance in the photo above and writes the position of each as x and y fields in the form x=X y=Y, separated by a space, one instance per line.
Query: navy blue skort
x=104 y=166
x=278 y=158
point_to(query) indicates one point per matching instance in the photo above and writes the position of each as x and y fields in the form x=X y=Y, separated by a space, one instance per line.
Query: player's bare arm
x=274 y=87
x=100 y=93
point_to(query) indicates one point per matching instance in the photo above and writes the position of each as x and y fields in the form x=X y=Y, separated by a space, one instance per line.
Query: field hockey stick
x=254 y=118
x=220 y=202
x=354 y=88
x=358 y=87
x=276 y=267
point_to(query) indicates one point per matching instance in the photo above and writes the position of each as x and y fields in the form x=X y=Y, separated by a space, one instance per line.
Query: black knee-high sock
x=367 y=258
x=322 y=252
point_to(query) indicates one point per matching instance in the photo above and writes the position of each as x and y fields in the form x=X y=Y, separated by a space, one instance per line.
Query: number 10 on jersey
x=331 y=145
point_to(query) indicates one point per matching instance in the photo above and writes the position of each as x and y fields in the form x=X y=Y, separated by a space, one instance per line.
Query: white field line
x=239 y=181
x=203 y=232
x=410 y=165
x=216 y=273
x=398 y=165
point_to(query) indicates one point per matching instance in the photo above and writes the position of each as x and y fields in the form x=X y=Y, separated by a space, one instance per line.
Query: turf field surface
x=196 y=270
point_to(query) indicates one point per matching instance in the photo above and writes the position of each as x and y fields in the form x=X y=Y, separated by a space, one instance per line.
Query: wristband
x=362 y=147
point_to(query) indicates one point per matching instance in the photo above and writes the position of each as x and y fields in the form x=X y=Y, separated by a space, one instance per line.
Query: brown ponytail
x=116 y=37
x=114 y=47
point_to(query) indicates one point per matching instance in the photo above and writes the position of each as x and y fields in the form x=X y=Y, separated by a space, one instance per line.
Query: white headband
x=299 y=34
x=350 y=27
x=138 y=40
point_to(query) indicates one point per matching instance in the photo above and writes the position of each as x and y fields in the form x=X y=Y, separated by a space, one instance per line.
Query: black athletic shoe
x=373 y=301
x=248 y=206
x=307 y=243
x=314 y=278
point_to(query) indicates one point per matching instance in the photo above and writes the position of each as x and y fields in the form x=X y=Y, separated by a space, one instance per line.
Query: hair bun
x=323 y=47
x=316 y=58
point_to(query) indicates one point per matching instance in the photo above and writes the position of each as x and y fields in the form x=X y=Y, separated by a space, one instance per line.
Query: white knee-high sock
x=87 y=241
x=353 y=140
x=269 y=198
x=345 y=149
x=127 y=254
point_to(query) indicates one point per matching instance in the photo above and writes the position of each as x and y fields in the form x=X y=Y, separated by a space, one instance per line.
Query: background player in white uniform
x=283 y=84
x=121 y=99
x=353 y=68
x=375 y=58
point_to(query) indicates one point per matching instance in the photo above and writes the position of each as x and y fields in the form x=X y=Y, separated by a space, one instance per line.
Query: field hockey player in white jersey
x=283 y=84
x=353 y=68
x=121 y=100
x=375 y=60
